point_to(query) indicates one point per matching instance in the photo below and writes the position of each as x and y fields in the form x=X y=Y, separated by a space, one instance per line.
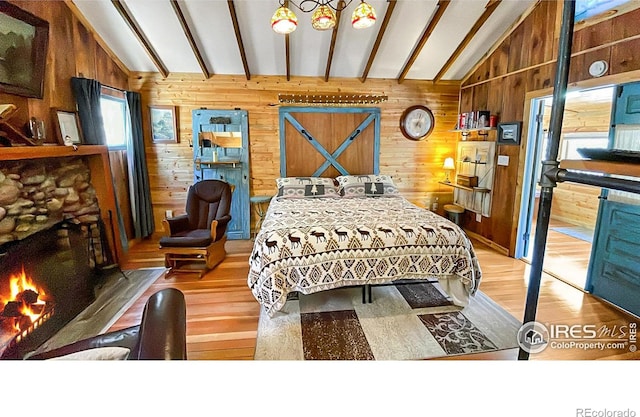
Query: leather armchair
x=200 y=233
x=161 y=334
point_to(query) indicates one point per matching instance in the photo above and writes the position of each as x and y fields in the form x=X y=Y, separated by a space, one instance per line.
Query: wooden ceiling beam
x=488 y=11
x=236 y=28
x=334 y=37
x=142 y=38
x=190 y=38
x=376 y=45
x=442 y=6
x=287 y=55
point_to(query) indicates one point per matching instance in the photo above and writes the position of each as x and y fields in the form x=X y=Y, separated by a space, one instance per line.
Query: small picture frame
x=164 y=127
x=509 y=133
x=68 y=127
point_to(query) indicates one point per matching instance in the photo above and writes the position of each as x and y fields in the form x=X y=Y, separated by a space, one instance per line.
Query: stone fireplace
x=53 y=236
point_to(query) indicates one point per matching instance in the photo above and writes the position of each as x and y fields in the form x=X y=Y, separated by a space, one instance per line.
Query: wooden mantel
x=99 y=165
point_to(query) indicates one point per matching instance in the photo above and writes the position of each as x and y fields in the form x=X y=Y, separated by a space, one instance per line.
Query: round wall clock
x=416 y=122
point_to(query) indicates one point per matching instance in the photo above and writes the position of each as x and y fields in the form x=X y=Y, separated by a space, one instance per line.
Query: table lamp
x=448 y=166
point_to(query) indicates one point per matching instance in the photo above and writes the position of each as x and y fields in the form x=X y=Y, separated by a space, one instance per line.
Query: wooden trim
x=78 y=15
x=236 y=29
x=139 y=34
x=442 y=6
x=334 y=37
x=287 y=50
x=376 y=45
x=491 y=7
x=502 y=250
x=190 y=38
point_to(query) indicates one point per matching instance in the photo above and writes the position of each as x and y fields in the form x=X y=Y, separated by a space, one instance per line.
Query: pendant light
x=284 y=21
x=363 y=16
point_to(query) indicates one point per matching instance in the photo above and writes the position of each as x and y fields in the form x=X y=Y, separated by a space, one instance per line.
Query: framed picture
x=68 y=127
x=509 y=133
x=164 y=127
x=22 y=66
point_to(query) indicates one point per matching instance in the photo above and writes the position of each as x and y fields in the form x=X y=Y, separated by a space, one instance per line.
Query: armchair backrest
x=207 y=200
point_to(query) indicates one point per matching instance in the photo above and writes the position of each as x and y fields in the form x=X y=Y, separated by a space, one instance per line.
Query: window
x=114 y=115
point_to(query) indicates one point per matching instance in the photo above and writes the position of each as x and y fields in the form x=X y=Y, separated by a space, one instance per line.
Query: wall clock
x=416 y=122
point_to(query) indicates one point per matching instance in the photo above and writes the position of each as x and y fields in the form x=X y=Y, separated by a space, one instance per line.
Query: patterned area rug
x=405 y=321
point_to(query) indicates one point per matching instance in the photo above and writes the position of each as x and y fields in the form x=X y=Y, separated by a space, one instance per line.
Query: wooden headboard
x=329 y=141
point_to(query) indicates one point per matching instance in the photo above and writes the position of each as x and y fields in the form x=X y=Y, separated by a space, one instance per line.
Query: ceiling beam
x=376 y=45
x=190 y=38
x=236 y=28
x=334 y=37
x=488 y=11
x=442 y=6
x=142 y=38
x=287 y=55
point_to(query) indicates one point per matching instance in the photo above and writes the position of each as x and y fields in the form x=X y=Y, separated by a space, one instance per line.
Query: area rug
x=405 y=322
x=117 y=292
x=577 y=232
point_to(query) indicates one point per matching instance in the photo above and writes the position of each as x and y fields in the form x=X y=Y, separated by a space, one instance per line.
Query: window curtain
x=141 y=207
x=87 y=93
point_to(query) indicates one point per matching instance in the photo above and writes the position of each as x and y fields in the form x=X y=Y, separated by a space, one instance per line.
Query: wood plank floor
x=222 y=315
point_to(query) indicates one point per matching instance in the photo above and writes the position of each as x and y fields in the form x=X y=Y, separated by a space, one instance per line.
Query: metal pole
x=550 y=164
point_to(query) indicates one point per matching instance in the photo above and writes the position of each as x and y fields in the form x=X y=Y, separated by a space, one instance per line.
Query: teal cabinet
x=221 y=151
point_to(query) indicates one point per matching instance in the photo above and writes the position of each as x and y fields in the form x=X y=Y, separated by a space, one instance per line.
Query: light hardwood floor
x=222 y=315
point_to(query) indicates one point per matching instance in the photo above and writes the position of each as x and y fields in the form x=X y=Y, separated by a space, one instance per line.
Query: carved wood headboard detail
x=329 y=141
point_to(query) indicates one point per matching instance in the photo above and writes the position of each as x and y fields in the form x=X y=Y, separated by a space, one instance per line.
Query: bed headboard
x=329 y=141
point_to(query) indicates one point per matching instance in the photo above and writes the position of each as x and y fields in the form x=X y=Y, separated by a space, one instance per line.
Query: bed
x=334 y=224
x=315 y=244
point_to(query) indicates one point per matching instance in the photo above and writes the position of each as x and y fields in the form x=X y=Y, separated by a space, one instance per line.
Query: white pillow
x=97 y=354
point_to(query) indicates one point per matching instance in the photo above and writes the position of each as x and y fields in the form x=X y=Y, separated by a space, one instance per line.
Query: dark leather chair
x=200 y=234
x=161 y=334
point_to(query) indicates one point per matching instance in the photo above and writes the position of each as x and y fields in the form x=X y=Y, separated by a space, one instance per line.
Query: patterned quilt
x=315 y=244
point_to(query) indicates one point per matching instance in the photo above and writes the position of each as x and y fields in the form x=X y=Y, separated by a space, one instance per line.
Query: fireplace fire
x=25 y=308
x=46 y=279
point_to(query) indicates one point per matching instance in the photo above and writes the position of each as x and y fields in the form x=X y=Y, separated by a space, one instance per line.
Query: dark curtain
x=87 y=93
x=141 y=208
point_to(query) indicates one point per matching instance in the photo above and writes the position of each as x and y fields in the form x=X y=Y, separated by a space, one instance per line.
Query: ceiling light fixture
x=285 y=21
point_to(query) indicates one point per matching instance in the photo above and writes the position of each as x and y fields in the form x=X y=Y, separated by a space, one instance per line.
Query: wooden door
x=328 y=142
x=221 y=151
x=615 y=257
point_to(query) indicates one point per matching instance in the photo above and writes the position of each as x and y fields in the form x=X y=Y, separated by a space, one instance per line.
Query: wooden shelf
x=462 y=187
x=477 y=129
x=605 y=167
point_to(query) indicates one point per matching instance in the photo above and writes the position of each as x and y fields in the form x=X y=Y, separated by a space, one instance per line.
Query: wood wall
x=524 y=63
x=415 y=166
x=73 y=51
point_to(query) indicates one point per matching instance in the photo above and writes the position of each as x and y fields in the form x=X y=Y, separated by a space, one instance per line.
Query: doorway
x=586 y=123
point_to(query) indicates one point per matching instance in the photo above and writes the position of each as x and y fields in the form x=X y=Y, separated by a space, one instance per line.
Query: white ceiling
x=211 y=25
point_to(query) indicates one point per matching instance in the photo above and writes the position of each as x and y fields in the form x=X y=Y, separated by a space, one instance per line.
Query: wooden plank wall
x=74 y=51
x=415 y=166
x=525 y=62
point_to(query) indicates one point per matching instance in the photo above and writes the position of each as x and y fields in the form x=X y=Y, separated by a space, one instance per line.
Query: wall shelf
x=462 y=187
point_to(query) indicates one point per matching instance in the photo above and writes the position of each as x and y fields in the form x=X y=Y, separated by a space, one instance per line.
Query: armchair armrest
x=175 y=224
x=219 y=226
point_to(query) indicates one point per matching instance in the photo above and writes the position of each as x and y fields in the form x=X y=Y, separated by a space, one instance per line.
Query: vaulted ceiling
x=412 y=39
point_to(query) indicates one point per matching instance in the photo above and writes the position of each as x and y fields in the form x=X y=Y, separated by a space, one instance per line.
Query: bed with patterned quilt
x=315 y=238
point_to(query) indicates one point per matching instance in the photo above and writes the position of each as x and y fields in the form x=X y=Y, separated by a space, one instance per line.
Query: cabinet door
x=222 y=152
x=627 y=104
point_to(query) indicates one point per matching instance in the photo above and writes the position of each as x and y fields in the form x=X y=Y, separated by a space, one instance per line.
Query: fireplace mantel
x=15 y=153
x=98 y=159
